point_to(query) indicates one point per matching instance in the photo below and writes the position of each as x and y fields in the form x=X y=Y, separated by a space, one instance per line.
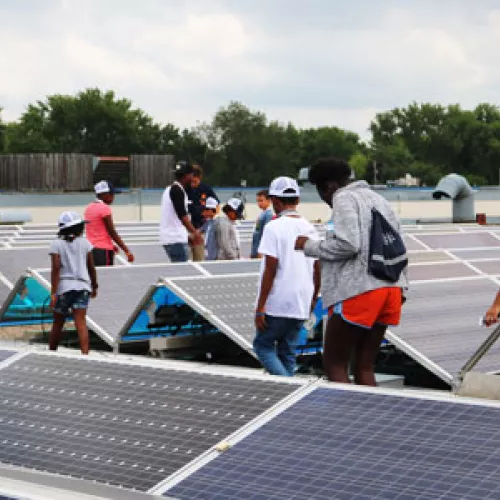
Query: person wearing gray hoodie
x=360 y=306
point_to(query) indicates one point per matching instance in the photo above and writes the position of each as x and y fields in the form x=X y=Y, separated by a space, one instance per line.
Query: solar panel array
x=336 y=443
x=122 y=424
x=457 y=255
x=189 y=431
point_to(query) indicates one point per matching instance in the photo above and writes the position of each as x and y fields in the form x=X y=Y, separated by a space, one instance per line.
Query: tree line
x=425 y=140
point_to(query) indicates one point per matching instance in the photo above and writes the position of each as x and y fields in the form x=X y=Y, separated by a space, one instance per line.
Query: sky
x=311 y=62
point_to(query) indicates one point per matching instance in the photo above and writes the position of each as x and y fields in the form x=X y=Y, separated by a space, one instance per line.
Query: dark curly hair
x=329 y=169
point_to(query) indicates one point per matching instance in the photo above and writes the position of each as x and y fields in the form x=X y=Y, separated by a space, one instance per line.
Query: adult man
x=264 y=203
x=100 y=229
x=176 y=229
x=198 y=193
x=289 y=282
x=361 y=306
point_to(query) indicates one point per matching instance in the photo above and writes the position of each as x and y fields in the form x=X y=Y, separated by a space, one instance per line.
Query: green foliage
x=424 y=140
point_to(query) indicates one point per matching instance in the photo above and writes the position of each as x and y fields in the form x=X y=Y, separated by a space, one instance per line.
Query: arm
x=317 y=283
x=110 y=227
x=266 y=285
x=177 y=197
x=346 y=242
x=492 y=313
x=55 y=274
x=92 y=274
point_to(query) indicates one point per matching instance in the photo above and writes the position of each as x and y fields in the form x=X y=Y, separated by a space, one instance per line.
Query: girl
x=73 y=279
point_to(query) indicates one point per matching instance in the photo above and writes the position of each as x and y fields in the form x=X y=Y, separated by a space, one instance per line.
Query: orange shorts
x=381 y=306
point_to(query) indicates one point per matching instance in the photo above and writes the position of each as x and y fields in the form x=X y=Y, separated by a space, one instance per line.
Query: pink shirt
x=96 y=231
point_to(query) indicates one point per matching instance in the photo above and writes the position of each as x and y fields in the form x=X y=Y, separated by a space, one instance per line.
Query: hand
x=53 y=300
x=491 y=316
x=116 y=249
x=260 y=321
x=300 y=242
x=93 y=293
x=130 y=256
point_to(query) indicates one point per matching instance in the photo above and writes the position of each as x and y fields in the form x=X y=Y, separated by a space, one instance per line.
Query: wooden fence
x=151 y=171
x=46 y=172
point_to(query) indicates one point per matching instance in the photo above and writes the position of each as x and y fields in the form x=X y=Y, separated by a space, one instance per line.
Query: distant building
x=407 y=181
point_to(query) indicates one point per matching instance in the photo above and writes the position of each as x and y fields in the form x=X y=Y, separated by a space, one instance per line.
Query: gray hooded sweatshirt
x=344 y=252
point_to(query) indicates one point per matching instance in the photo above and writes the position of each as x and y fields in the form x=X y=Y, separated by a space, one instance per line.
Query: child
x=226 y=237
x=264 y=203
x=208 y=214
x=73 y=279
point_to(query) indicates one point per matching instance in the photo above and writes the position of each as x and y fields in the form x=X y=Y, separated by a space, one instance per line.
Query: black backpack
x=387 y=256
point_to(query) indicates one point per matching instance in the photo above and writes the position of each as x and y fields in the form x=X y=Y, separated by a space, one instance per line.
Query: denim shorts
x=73 y=299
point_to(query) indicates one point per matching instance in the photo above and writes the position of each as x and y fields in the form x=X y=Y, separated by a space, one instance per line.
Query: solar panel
x=439 y=326
x=121 y=423
x=13 y=262
x=232 y=267
x=150 y=253
x=411 y=244
x=227 y=302
x=491 y=267
x=461 y=240
x=439 y=271
x=342 y=444
x=478 y=253
x=121 y=289
x=428 y=256
x=4 y=292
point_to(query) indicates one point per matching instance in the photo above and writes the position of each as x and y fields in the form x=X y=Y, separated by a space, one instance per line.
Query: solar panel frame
x=375 y=443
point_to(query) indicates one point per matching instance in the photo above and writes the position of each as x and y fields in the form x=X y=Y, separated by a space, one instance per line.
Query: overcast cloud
x=315 y=62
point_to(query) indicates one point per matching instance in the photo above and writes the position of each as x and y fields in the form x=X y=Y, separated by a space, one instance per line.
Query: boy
x=73 y=279
x=289 y=283
x=209 y=212
x=264 y=203
x=228 y=245
x=101 y=231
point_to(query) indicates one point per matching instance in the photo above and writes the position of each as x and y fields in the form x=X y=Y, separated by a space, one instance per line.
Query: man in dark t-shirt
x=198 y=193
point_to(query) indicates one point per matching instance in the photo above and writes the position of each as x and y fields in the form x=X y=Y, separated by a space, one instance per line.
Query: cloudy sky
x=312 y=62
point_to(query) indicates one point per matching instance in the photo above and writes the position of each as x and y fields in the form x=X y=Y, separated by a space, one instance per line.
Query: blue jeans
x=177 y=252
x=275 y=346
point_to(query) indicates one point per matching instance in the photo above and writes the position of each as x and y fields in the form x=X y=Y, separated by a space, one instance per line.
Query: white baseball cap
x=234 y=203
x=284 y=187
x=69 y=219
x=211 y=203
x=103 y=187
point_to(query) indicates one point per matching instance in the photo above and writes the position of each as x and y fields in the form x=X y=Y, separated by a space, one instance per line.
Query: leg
x=340 y=340
x=287 y=345
x=81 y=327
x=56 y=332
x=177 y=252
x=198 y=253
x=264 y=346
x=366 y=354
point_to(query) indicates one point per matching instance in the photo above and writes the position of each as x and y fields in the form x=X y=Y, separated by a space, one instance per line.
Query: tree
x=90 y=122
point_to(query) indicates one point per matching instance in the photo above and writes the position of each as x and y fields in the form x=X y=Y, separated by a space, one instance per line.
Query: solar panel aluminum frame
x=106 y=336
x=207 y=314
x=14 y=288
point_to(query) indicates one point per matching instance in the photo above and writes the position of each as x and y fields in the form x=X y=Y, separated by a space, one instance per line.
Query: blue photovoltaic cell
x=349 y=445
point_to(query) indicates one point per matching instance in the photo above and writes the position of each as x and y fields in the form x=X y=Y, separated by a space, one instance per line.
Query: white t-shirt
x=74 y=272
x=172 y=230
x=293 y=286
